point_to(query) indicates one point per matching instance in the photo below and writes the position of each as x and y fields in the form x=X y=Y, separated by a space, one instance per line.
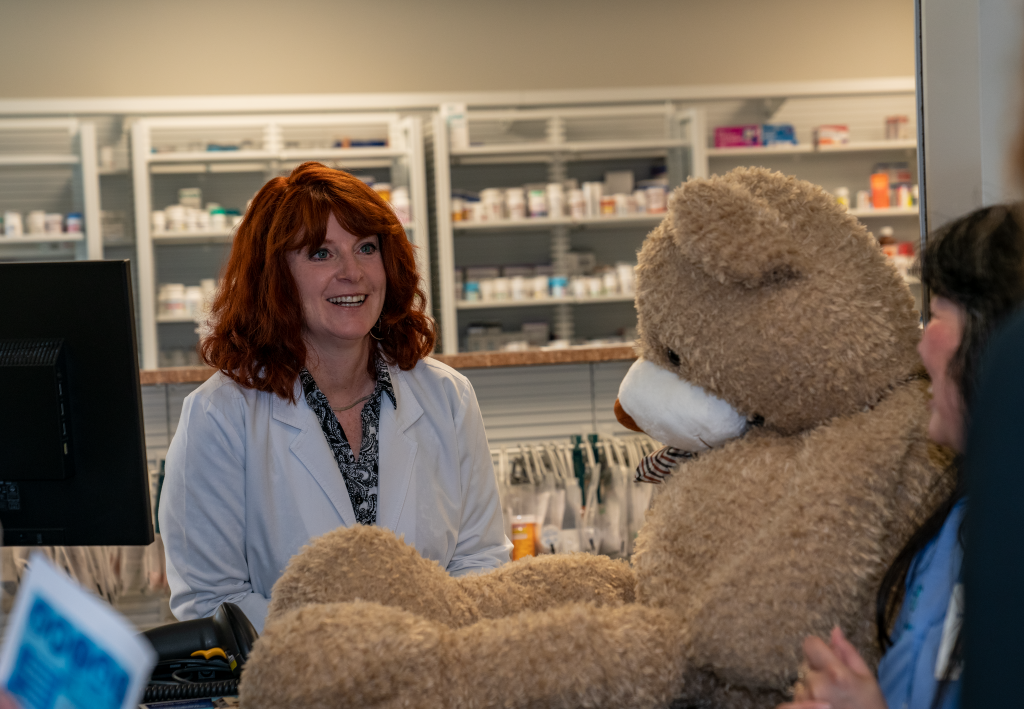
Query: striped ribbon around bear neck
x=657 y=466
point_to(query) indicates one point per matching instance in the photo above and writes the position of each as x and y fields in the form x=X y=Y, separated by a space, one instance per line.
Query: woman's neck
x=341 y=372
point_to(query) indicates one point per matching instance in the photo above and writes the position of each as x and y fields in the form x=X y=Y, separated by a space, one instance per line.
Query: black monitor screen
x=72 y=447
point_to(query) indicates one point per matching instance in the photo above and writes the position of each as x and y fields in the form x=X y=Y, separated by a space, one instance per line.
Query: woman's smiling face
x=939 y=343
x=341 y=287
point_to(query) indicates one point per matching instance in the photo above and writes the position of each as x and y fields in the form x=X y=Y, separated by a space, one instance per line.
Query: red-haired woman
x=326 y=410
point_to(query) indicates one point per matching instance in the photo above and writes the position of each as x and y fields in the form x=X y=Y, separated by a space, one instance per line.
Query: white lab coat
x=250 y=479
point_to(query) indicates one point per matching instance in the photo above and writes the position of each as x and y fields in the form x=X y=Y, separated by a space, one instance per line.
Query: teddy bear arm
x=538 y=583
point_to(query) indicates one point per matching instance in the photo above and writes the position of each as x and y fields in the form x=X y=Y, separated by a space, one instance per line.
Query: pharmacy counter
x=466 y=360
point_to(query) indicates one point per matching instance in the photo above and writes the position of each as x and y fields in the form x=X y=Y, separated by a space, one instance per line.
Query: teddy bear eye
x=672 y=356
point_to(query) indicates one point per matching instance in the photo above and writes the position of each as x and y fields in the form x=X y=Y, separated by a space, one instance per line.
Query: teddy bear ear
x=733 y=235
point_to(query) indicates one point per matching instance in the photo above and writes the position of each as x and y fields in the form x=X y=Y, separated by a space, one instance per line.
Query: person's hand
x=7 y=701
x=836 y=678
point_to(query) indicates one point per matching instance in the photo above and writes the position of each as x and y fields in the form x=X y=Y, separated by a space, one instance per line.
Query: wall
x=102 y=48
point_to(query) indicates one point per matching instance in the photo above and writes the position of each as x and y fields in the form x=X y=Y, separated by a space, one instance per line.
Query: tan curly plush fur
x=778 y=302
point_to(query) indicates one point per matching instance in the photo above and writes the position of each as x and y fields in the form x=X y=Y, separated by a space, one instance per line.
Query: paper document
x=67 y=649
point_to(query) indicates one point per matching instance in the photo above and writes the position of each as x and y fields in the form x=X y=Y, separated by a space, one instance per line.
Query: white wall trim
x=155 y=105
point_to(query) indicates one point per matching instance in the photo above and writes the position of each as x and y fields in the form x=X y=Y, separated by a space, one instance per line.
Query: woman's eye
x=320 y=254
x=367 y=248
x=672 y=356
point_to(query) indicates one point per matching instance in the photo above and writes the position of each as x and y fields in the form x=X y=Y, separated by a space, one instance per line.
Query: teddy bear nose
x=625 y=419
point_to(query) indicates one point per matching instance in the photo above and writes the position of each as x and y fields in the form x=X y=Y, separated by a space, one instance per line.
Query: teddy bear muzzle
x=673 y=411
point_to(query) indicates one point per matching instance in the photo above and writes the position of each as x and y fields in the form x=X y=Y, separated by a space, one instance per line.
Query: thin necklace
x=354 y=403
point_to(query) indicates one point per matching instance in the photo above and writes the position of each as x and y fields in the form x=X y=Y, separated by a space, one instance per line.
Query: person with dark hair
x=974 y=269
x=325 y=410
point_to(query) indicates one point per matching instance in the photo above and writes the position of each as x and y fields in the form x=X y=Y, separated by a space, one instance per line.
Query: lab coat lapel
x=311 y=448
x=397 y=452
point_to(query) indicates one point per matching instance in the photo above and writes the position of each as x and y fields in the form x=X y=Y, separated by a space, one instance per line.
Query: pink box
x=737 y=136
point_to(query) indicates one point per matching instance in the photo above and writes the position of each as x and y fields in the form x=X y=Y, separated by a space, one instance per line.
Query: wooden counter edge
x=464 y=360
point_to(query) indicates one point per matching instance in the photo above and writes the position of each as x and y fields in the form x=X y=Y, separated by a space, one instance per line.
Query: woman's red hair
x=256 y=318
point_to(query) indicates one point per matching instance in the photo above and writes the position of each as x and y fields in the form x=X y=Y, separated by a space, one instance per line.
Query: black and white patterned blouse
x=360 y=476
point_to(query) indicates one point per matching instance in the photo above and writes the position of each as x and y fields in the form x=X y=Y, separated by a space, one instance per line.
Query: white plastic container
x=13 y=225
x=54 y=223
x=541 y=287
x=36 y=222
x=610 y=282
x=517 y=288
x=515 y=202
x=537 y=202
x=158 y=220
x=74 y=223
x=492 y=200
x=556 y=200
x=577 y=204
x=624 y=273
x=502 y=288
x=621 y=204
x=193 y=300
x=401 y=204
x=592 y=194
x=218 y=220
x=640 y=201
x=656 y=199
x=175 y=215
x=843 y=197
x=486 y=289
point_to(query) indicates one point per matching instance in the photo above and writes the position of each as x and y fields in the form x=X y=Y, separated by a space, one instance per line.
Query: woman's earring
x=379 y=320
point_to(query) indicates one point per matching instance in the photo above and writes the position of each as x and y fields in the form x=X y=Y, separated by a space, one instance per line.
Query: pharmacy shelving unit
x=230 y=158
x=50 y=164
x=511 y=147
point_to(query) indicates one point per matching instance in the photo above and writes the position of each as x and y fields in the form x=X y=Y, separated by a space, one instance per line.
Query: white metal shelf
x=885 y=213
x=60 y=143
x=41 y=239
x=268 y=143
x=28 y=160
x=867 y=146
x=540 y=302
x=543 y=223
x=165 y=318
x=209 y=236
x=571 y=148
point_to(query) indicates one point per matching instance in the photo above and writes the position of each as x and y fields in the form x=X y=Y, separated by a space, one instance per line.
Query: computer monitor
x=72 y=447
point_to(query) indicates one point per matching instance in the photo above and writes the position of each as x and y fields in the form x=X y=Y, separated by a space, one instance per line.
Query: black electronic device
x=200 y=658
x=72 y=448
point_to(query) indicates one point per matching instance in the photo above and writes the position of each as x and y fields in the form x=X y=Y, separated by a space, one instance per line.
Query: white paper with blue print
x=67 y=649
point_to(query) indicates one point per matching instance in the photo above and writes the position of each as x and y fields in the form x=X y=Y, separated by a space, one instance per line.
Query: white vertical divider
x=697 y=130
x=445 y=238
x=144 y=244
x=90 y=190
x=413 y=129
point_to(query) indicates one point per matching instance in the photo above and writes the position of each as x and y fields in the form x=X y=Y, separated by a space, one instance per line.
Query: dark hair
x=977 y=262
x=257 y=321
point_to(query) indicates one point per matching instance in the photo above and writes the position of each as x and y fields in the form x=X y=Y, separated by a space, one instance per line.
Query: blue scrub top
x=907 y=670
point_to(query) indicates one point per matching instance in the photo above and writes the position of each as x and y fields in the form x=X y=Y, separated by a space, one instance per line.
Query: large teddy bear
x=772 y=314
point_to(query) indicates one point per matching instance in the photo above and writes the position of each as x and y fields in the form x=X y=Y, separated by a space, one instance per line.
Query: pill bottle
x=502 y=288
x=472 y=290
x=218 y=219
x=843 y=197
x=577 y=204
x=656 y=199
x=559 y=286
x=458 y=209
x=541 y=287
x=74 y=223
x=640 y=201
x=36 y=221
x=556 y=200
x=401 y=204
x=54 y=223
x=515 y=202
x=12 y=224
x=537 y=202
x=608 y=206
